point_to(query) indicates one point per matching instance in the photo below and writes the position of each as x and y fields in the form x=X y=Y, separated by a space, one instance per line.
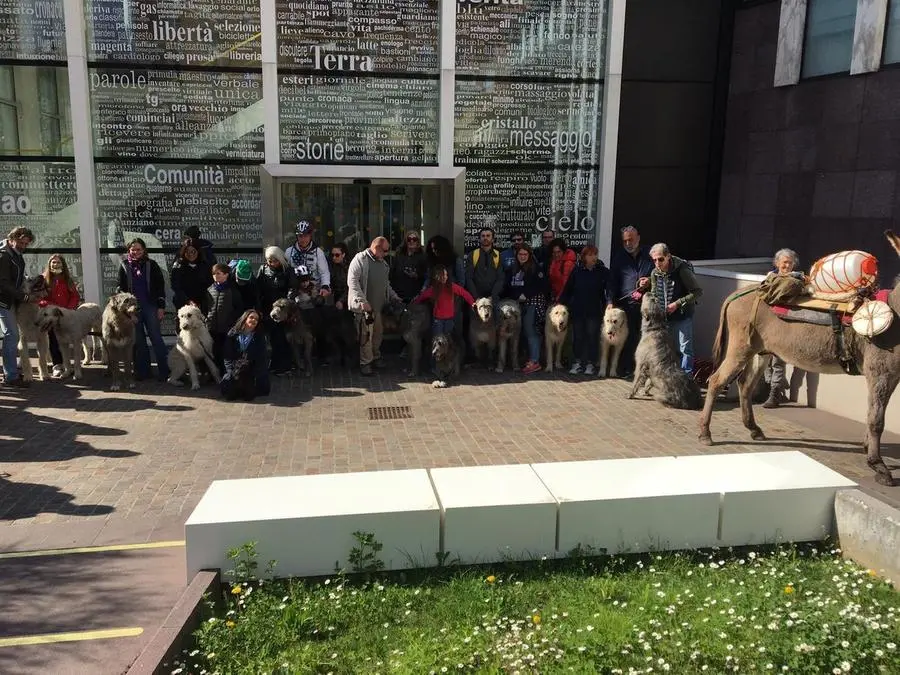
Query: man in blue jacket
x=629 y=278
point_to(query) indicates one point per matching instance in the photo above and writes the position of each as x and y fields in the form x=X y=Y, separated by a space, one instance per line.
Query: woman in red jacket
x=63 y=293
x=562 y=262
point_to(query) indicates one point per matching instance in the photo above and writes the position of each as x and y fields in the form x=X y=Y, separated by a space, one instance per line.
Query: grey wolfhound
x=658 y=365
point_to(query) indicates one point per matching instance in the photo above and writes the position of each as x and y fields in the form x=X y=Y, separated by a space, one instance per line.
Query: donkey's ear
x=894 y=240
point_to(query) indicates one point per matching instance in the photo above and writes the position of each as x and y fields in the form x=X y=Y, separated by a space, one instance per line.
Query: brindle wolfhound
x=810 y=347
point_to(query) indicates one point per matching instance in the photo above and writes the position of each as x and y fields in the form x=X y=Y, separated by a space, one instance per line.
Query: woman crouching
x=244 y=353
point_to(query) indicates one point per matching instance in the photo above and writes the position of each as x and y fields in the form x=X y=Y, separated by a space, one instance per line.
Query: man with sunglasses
x=408 y=268
x=674 y=287
x=629 y=278
x=368 y=281
x=508 y=257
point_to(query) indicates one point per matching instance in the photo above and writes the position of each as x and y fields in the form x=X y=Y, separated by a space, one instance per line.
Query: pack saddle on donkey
x=834 y=322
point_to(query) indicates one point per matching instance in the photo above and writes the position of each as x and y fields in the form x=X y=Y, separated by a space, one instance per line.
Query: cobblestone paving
x=76 y=453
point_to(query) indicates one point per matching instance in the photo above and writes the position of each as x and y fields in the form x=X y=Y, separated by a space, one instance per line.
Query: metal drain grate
x=391 y=412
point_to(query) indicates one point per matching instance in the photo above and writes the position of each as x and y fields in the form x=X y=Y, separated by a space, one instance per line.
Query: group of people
x=355 y=292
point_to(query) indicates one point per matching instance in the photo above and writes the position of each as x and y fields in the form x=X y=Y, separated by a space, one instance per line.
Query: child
x=444 y=293
x=246 y=372
x=63 y=293
x=224 y=303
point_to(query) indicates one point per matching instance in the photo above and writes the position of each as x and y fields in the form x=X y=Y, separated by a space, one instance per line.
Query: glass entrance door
x=355 y=212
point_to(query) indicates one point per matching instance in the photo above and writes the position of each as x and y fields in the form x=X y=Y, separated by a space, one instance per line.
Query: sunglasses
x=412 y=239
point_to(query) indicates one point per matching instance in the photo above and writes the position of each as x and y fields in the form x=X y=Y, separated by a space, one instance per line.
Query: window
x=9 y=114
x=828 y=43
x=892 y=34
x=48 y=101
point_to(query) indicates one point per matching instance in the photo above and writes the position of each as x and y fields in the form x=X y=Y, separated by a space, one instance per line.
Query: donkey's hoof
x=757 y=435
x=705 y=439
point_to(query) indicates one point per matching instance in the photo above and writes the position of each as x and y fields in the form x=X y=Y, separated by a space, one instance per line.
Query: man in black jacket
x=629 y=278
x=12 y=278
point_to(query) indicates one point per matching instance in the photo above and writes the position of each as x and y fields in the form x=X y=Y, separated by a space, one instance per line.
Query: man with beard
x=12 y=278
x=630 y=268
x=508 y=257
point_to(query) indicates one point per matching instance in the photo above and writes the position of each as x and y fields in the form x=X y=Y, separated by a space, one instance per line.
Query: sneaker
x=575 y=369
x=366 y=370
x=531 y=367
x=18 y=383
x=589 y=369
x=57 y=371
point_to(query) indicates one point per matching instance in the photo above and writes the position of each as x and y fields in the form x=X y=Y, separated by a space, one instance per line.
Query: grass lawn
x=790 y=609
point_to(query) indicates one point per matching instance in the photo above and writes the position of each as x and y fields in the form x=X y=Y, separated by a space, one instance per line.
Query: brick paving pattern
x=76 y=453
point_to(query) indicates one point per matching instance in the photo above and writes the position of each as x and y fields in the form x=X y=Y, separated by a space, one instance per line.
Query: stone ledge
x=869 y=532
x=175 y=632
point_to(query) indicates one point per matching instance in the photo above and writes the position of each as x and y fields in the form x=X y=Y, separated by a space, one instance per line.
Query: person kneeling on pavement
x=246 y=364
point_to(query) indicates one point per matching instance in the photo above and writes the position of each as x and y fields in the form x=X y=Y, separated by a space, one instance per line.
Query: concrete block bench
x=494 y=513
x=306 y=523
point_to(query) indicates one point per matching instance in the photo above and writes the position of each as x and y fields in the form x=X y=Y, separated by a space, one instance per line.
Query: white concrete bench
x=306 y=523
x=519 y=512
x=494 y=513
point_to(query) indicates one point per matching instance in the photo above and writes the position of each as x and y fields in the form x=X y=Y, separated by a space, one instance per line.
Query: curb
x=176 y=630
x=868 y=531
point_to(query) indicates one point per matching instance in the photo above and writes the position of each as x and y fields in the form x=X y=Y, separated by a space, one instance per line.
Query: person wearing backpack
x=485 y=277
x=674 y=286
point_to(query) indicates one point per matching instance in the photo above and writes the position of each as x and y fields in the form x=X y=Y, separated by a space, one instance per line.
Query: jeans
x=532 y=337
x=442 y=327
x=9 y=329
x=683 y=332
x=148 y=326
x=586 y=340
x=55 y=351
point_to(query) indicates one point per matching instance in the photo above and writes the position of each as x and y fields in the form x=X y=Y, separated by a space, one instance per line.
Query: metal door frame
x=452 y=180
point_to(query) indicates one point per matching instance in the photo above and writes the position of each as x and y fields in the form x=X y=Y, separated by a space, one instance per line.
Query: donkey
x=807 y=346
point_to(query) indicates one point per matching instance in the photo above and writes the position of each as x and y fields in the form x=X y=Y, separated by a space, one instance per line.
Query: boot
x=776 y=398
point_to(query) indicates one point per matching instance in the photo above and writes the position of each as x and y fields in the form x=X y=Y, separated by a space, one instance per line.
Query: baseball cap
x=304 y=227
x=301 y=271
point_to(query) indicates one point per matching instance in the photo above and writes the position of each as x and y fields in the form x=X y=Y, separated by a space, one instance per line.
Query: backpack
x=476 y=256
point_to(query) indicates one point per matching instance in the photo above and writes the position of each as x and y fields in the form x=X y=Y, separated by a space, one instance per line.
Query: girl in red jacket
x=63 y=293
x=444 y=294
x=562 y=262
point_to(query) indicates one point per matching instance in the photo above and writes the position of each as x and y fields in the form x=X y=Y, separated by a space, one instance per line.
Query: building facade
x=243 y=116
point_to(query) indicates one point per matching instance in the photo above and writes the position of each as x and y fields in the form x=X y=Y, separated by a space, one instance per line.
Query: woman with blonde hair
x=275 y=279
x=63 y=293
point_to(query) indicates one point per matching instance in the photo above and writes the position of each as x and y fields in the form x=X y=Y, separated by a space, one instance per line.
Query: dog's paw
x=438 y=384
x=498 y=369
x=195 y=387
x=85 y=362
x=131 y=385
x=114 y=387
x=175 y=383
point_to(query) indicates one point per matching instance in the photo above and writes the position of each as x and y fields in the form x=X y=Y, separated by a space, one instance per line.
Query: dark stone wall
x=816 y=166
x=664 y=176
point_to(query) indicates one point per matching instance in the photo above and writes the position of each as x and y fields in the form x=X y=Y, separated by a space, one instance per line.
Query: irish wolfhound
x=555 y=330
x=658 y=364
x=612 y=339
x=26 y=318
x=120 y=316
x=508 y=331
x=299 y=336
x=194 y=344
x=447 y=359
x=73 y=327
x=415 y=324
x=483 y=332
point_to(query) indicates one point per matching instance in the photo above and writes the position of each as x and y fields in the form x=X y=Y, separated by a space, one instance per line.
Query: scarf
x=244 y=340
x=220 y=287
x=136 y=265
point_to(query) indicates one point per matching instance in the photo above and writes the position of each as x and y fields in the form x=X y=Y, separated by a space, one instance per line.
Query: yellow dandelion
x=230 y=624
x=536 y=619
x=491 y=579
x=872 y=573
x=236 y=590
x=788 y=589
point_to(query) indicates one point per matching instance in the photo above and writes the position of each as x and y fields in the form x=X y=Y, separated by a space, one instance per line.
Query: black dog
x=241 y=384
x=447 y=359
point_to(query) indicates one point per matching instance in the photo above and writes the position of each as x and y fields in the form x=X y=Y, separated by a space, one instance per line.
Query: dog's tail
x=721 y=335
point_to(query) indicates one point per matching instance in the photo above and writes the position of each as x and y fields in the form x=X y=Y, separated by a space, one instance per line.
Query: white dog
x=73 y=327
x=26 y=318
x=508 y=330
x=613 y=336
x=483 y=331
x=555 y=330
x=194 y=343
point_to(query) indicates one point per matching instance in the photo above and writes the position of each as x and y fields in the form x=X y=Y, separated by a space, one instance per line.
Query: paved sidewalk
x=80 y=466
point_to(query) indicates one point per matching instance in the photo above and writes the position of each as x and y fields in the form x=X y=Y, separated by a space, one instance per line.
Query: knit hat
x=241 y=268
